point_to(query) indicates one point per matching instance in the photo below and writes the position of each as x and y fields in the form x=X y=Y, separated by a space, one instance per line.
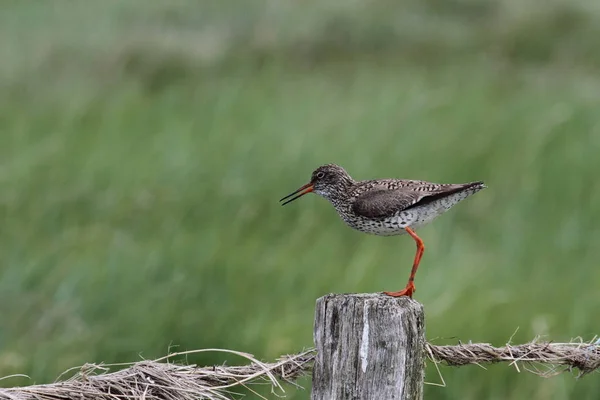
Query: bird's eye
x=320 y=175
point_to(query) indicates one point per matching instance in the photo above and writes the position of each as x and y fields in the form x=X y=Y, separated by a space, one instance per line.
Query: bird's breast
x=390 y=226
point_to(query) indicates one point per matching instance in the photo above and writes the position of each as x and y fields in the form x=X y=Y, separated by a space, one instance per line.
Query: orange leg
x=410 y=286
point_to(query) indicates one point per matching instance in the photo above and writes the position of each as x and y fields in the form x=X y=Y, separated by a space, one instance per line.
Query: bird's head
x=327 y=181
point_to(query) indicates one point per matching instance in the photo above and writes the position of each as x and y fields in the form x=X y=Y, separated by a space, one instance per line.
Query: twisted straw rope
x=161 y=379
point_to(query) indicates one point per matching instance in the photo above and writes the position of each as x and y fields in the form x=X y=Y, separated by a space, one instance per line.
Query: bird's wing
x=378 y=203
x=385 y=202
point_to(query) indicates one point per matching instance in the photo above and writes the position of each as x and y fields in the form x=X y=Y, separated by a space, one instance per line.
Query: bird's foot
x=407 y=291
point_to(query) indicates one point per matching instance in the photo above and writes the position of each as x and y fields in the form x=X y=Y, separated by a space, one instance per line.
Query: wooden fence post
x=369 y=346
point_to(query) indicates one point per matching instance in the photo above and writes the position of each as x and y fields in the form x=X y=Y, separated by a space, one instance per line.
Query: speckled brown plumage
x=386 y=207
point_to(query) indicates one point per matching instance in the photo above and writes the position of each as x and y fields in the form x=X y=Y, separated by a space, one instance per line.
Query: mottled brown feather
x=384 y=202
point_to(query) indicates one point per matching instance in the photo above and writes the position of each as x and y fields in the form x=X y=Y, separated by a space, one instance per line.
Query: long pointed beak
x=300 y=192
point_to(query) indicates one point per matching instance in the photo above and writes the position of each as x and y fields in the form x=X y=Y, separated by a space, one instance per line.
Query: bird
x=386 y=207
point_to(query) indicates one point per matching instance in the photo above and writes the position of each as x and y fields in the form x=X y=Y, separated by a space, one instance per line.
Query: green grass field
x=144 y=146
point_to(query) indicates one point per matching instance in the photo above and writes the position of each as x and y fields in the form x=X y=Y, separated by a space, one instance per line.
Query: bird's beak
x=300 y=192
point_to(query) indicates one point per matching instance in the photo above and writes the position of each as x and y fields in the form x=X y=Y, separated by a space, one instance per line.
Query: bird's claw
x=407 y=291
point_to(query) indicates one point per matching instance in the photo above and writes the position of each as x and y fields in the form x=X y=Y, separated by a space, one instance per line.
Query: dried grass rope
x=164 y=380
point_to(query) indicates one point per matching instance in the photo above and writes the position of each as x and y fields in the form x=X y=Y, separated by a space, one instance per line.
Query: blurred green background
x=144 y=145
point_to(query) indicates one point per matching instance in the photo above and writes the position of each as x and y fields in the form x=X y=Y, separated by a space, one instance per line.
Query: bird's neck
x=340 y=196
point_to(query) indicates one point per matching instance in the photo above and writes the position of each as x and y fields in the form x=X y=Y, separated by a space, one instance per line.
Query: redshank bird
x=386 y=207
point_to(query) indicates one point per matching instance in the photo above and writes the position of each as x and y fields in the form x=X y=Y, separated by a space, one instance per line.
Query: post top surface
x=403 y=302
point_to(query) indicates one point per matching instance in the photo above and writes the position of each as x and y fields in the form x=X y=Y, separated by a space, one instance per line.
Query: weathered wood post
x=369 y=346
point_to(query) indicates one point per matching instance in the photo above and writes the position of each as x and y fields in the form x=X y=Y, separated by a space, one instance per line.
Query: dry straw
x=541 y=358
x=164 y=380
